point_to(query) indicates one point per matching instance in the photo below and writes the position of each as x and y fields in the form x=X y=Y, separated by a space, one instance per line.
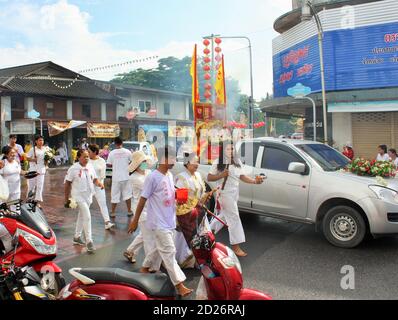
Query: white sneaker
x=109 y=225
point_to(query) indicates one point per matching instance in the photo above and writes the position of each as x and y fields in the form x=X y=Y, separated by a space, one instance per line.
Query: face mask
x=144 y=166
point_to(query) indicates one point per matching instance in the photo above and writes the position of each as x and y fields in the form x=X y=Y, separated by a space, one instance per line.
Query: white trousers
x=37 y=182
x=183 y=252
x=100 y=196
x=83 y=223
x=165 y=248
x=146 y=239
x=229 y=213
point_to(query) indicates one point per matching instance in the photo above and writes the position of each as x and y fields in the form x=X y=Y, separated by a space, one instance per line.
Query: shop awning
x=368 y=106
x=57 y=127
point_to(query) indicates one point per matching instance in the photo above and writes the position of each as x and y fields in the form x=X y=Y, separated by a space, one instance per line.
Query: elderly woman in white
x=79 y=187
x=191 y=213
x=10 y=170
x=382 y=154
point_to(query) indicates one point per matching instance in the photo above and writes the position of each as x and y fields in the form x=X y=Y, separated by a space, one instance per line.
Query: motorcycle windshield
x=35 y=220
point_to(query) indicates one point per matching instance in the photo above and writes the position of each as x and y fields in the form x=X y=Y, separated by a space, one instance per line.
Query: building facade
x=56 y=94
x=360 y=42
x=154 y=111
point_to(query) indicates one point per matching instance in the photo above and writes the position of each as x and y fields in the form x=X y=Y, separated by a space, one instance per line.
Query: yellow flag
x=194 y=75
x=221 y=97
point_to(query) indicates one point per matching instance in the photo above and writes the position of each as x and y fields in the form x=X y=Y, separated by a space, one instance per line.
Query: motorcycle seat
x=156 y=285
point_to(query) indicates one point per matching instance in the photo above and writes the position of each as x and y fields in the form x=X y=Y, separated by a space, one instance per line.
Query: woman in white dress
x=36 y=161
x=99 y=165
x=382 y=153
x=139 y=169
x=10 y=170
x=190 y=213
x=227 y=170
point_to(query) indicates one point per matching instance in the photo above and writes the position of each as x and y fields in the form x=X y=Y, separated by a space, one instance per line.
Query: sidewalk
x=63 y=220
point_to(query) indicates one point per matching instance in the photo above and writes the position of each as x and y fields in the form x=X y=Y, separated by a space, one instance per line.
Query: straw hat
x=138 y=158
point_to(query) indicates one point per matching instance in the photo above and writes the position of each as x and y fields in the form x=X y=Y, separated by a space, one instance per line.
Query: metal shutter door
x=370 y=130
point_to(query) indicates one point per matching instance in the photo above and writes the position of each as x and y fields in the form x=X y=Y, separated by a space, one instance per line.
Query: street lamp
x=307 y=12
x=251 y=99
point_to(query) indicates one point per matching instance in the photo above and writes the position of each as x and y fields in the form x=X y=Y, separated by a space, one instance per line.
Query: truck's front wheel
x=344 y=227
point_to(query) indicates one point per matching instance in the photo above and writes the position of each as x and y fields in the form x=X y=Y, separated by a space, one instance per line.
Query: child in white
x=99 y=166
x=159 y=194
x=120 y=159
x=36 y=163
x=11 y=172
x=139 y=167
x=79 y=184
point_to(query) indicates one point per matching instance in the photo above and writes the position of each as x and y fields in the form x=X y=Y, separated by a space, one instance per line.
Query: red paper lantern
x=218 y=40
x=207 y=86
x=206 y=68
x=206 y=51
x=207 y=94
x=207 y=60
x=218 y=58
x=206 y=42
x=207 y=76
x=218 y=49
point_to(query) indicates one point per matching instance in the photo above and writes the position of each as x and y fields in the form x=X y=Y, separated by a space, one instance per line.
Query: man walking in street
x=121 y=190
x=159 y=192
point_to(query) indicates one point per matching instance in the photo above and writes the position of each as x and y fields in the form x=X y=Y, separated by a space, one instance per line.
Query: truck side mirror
x=297 y=167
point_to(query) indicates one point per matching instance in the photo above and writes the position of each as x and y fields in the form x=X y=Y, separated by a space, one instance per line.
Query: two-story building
x=58 y=95
x=154 y=110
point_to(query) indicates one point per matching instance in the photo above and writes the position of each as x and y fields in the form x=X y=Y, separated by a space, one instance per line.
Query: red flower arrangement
x=363 y=167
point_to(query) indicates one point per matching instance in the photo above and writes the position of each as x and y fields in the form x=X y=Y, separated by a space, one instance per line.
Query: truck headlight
x=38 y=244
x=385 y=194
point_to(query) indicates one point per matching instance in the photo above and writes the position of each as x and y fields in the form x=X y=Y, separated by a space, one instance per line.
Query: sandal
x=129 y=256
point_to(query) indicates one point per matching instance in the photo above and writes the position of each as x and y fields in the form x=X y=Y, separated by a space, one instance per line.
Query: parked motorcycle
x=37 y=242
x=19 y=283
x=220 y=268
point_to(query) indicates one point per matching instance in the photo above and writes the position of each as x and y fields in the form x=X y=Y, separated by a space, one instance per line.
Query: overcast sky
x=80 y=34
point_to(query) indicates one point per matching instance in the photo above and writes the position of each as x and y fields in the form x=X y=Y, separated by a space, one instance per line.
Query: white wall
x=178 y=105
x=342 y=129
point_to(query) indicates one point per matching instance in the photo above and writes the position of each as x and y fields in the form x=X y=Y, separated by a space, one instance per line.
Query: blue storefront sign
x=361 y=58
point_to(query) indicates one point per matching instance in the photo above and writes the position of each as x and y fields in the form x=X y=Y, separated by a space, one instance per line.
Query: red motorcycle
x=37 y=242
x=220 y=268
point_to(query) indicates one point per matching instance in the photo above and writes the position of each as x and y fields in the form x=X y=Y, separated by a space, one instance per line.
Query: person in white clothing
x=17 y=147
x=159 y=196
x=392 y=153
x=80 y=182
x=382 y=154
x=36 y=163
x=139 y=169
x=10 y=170
x=119 y=159
x=228 y=171
x=99 y=166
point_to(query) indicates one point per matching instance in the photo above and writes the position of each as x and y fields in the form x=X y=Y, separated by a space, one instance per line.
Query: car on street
x=132 y=146
x=306 y=182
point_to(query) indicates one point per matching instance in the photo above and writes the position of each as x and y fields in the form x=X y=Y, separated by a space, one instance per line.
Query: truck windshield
x=328 y=158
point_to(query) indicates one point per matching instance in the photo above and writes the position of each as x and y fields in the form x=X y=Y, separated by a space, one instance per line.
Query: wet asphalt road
x=289 y=261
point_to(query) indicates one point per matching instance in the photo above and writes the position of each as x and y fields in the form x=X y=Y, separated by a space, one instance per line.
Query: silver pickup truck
x=305 y=183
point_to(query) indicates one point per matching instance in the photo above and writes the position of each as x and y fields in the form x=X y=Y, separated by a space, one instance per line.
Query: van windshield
x=328 y=158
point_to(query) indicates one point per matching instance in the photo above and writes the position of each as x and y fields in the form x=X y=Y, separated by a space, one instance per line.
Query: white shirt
x=232 y=184
x=161 y=205
x=11 y=172
x=120 y=160
x=82 y=182
x=138 y=180
x=99 y=166
x=395 y=163
x=40 y=166
x=384 y=157
x=194 y=183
